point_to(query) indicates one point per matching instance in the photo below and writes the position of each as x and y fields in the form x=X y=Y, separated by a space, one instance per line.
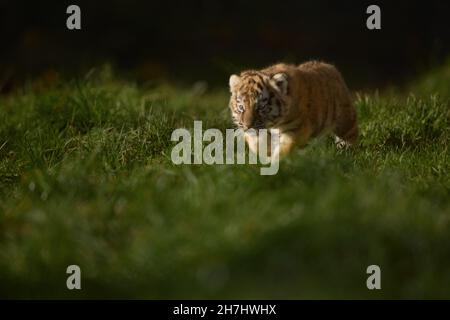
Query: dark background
x=193 y=40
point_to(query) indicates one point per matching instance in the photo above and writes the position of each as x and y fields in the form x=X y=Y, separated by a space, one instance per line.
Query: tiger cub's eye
x=240 y=108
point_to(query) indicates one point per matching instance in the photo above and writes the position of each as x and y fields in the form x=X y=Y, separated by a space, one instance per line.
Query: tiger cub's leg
x=252 y=142
x=286 y=141
x=346 y=129
x=298 y=137
x=255 y=141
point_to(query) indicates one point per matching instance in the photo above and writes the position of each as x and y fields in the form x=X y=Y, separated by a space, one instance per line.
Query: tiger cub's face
x=257 y=100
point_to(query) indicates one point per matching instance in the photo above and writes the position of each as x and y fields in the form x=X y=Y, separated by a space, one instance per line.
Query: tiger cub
x=301 y=101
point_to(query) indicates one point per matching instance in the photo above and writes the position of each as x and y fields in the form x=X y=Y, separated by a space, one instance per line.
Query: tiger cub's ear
x=234 y=80
x=281 y=82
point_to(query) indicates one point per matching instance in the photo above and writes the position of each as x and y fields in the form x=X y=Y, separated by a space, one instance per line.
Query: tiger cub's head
x=257 y=100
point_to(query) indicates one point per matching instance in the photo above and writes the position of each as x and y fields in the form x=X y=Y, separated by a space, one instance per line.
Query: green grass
x=86 y=178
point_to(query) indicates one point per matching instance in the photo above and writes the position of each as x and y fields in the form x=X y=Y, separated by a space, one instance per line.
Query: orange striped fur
x=301 y=101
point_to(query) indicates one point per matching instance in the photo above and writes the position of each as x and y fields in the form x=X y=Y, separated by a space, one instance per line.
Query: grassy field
x=86 y=178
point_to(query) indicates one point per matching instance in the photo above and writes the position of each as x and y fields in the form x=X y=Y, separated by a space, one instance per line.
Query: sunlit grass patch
x=86 y=179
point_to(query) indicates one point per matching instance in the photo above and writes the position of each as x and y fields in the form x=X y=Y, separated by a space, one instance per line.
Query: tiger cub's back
x=322 y=91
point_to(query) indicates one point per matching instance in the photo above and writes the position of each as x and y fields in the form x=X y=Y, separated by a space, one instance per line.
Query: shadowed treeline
x=206 y=40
